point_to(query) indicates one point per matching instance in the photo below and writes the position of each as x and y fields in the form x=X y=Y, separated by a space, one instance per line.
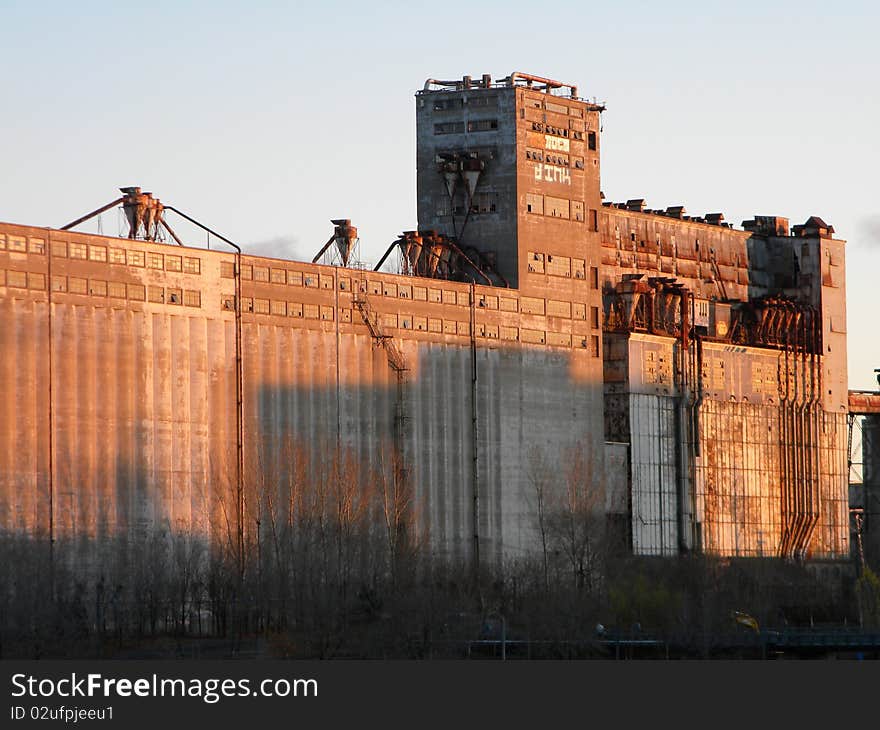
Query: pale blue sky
x=265 y=120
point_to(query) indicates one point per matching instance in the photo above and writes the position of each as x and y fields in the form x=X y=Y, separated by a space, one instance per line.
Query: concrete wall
x=119 y=405
x=712 y=261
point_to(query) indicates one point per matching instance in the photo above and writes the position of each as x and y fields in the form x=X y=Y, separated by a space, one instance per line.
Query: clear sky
x=265 y=120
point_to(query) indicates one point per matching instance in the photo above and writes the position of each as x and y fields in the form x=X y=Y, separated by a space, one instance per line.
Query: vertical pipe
x=693 y=432
x=814 y=427
x=239 y=416
x=783 y=451
x=475 y=475
x=799 y=444
x=679 y=452
x=338 y=399
x=51 y=420
x=681 y=465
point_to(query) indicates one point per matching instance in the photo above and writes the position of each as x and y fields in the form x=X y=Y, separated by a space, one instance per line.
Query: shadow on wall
x=453 y=428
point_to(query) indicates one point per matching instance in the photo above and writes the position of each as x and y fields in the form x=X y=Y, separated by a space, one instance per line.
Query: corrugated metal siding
x=739 y=479
x=654 y=490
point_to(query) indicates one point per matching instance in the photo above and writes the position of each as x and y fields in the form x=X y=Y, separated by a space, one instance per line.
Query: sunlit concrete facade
x=119 y=397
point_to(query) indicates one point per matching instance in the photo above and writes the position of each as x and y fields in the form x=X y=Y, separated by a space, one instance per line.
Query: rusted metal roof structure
x=695 y=372
x=864 y=402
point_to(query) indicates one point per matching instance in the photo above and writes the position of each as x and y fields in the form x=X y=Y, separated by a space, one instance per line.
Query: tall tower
x=511 y=171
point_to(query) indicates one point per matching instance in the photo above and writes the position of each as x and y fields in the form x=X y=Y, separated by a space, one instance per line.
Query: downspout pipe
x=786 y=496
x=239 y=388
x=813 y=428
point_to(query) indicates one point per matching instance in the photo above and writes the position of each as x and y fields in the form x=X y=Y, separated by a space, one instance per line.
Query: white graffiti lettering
x=559 y=144
x=552 y=173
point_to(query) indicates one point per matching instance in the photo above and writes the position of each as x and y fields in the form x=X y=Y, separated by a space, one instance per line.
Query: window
x=136 y=292
x=442 y=105
x=192 y=298
x=175 y=296
x=17 y=243
x=278 y=276
x=482 y=100
x=591 y=140
x=173 y=263
x=135 y=258
x=97 y=253
x=594 y=277
x=77 y=285
x=556 y=207
x=484 y=203
x=36 y=281
x=97 y=287
x=37 y=245
x=482 y=125
x=117 y=255
x=279 y=309
x=116 y=290
x=594 y=220
x=155 y=261
x=536 y=262
x=157 y=294
x=227 y=269
x=261 y=306
x=261 y=273
x=449 y=128
x=59 y=249
x=594 y=317
x=18 y=279
x=78 y=251
x=192 y=265
x=594 y=345
x=59 y=283
x=535 y=203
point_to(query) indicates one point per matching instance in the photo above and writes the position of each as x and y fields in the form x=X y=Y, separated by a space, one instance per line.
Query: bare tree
x=576 y=521
x=540 y=477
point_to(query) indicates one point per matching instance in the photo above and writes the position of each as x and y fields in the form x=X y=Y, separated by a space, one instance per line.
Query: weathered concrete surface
x=118 y=399
x=708 y=465
x=135 y=399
